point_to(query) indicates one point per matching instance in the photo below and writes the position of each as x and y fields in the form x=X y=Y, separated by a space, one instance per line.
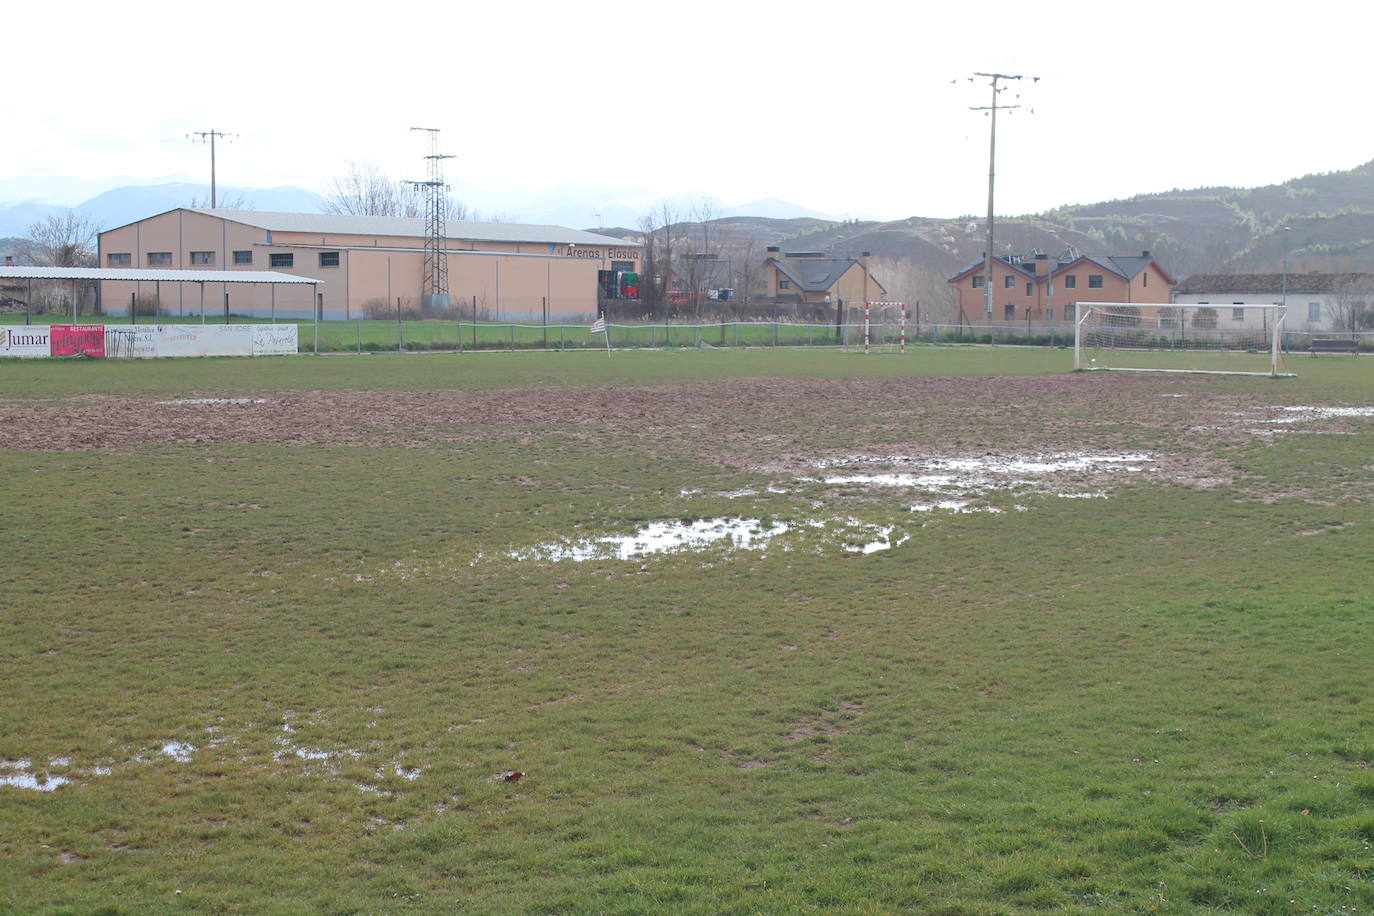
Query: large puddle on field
x=661 y=537
x=939 y=485
x=1303 y=414
x=725 y=534
x=953 y=483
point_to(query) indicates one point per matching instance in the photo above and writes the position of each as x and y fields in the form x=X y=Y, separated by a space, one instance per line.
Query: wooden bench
x=1334 y=345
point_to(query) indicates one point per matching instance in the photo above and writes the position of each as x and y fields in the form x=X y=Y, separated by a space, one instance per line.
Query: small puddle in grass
x=179 y=751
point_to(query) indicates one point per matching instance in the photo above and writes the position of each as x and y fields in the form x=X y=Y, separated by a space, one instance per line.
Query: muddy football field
x=957 y=631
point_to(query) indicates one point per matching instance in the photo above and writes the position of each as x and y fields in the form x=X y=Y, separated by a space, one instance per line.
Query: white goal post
x=1218 y=339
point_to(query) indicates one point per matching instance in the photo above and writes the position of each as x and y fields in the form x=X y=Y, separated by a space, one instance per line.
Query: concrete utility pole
x=993 y=79
x=209 y=136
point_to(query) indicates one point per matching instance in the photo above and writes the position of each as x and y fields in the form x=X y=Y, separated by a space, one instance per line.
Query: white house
x=1317 y=302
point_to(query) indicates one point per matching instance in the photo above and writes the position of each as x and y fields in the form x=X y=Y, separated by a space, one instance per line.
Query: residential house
x=808 y=280
x=1035 y=290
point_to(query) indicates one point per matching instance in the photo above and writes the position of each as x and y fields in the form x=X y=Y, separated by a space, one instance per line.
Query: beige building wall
x=509 y=280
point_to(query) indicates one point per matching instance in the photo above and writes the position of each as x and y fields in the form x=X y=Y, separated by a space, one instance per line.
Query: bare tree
x=748 y=269
x=233 y=202
x=61 y=240
x=366 y=190
x=1353 y=300
x=658 y=227
x=907 y=281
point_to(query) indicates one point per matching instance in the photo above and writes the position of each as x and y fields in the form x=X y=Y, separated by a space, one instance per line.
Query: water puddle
x=19 y=774
x=847 y=533
x=179 y=751
x=181 y=402
x=660 y=538
x=954 y=482
x=957 y=506
x=1304 y=414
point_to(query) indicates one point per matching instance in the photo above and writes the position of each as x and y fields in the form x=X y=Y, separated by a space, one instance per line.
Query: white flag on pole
x=598 y=326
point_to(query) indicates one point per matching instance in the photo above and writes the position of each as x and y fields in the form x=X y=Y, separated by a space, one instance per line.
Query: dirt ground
x=756 y=422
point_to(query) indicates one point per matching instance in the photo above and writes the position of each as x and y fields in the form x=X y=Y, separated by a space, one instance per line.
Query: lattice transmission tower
x=436 y=234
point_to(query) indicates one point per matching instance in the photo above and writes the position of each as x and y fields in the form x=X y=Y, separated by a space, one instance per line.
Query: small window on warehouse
x=281 y=259
x=159 y=259
x=202 y=259
x=329 y=259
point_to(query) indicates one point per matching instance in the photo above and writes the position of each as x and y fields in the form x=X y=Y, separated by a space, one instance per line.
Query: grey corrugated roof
x=1271 y=284
x=149 y=276
x=344 y=224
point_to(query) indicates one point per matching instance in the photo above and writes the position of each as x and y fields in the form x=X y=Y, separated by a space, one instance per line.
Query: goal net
x=875 y=327
x=1220 y=339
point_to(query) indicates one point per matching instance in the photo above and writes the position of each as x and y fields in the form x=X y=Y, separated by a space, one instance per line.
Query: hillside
x=1330 y=220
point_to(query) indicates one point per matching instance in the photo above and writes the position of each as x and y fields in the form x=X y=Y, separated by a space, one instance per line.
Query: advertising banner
x=78 y=340
x=131 y=342
x=28 y=340
x=205 y=340
x=275 y=339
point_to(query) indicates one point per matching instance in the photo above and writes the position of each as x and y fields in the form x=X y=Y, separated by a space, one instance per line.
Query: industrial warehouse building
x=367 y=266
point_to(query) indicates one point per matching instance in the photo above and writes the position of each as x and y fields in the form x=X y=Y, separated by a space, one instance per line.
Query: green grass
x=1154 y=702
x=378 y=336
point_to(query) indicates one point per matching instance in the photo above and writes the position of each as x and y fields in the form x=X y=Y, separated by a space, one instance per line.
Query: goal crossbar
x=1129 y=332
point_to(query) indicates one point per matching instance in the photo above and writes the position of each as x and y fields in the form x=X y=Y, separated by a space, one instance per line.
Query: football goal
x=875 y=327
x=1179 y=337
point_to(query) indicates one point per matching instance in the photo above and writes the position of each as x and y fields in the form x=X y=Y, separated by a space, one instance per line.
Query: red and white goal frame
x=881 y=306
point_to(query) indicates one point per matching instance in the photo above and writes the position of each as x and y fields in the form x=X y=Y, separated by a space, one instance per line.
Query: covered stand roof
x=150 y=276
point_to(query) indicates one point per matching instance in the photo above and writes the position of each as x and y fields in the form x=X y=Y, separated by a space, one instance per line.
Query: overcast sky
x=860 y=108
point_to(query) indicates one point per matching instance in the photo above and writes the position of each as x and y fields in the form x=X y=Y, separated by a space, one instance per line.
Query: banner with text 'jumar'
x=30 y=340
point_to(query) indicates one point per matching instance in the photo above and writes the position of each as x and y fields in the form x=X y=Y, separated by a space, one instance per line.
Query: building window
x=1009 y=283
x=1070 y=282
x=119 y=260
x=1094 y=281
x=281 y=259
x=1145 y=279
x=1237 y=314
x=1008 y=312
x=243 y=257
x=623 y=266
x=1068 y=313
x=978 y=281
x=1028 y=288
x=159 y=259
x=784 y=284
x=202 y=259
x=1314 y=311
x=329 y=259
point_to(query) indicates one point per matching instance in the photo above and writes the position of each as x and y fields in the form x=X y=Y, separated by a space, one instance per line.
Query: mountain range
x=118 y=201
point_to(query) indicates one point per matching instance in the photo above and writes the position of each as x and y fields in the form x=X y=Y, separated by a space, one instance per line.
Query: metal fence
x=418 y=336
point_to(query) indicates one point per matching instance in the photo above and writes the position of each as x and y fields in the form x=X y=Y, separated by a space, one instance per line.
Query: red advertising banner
x=78 y=340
